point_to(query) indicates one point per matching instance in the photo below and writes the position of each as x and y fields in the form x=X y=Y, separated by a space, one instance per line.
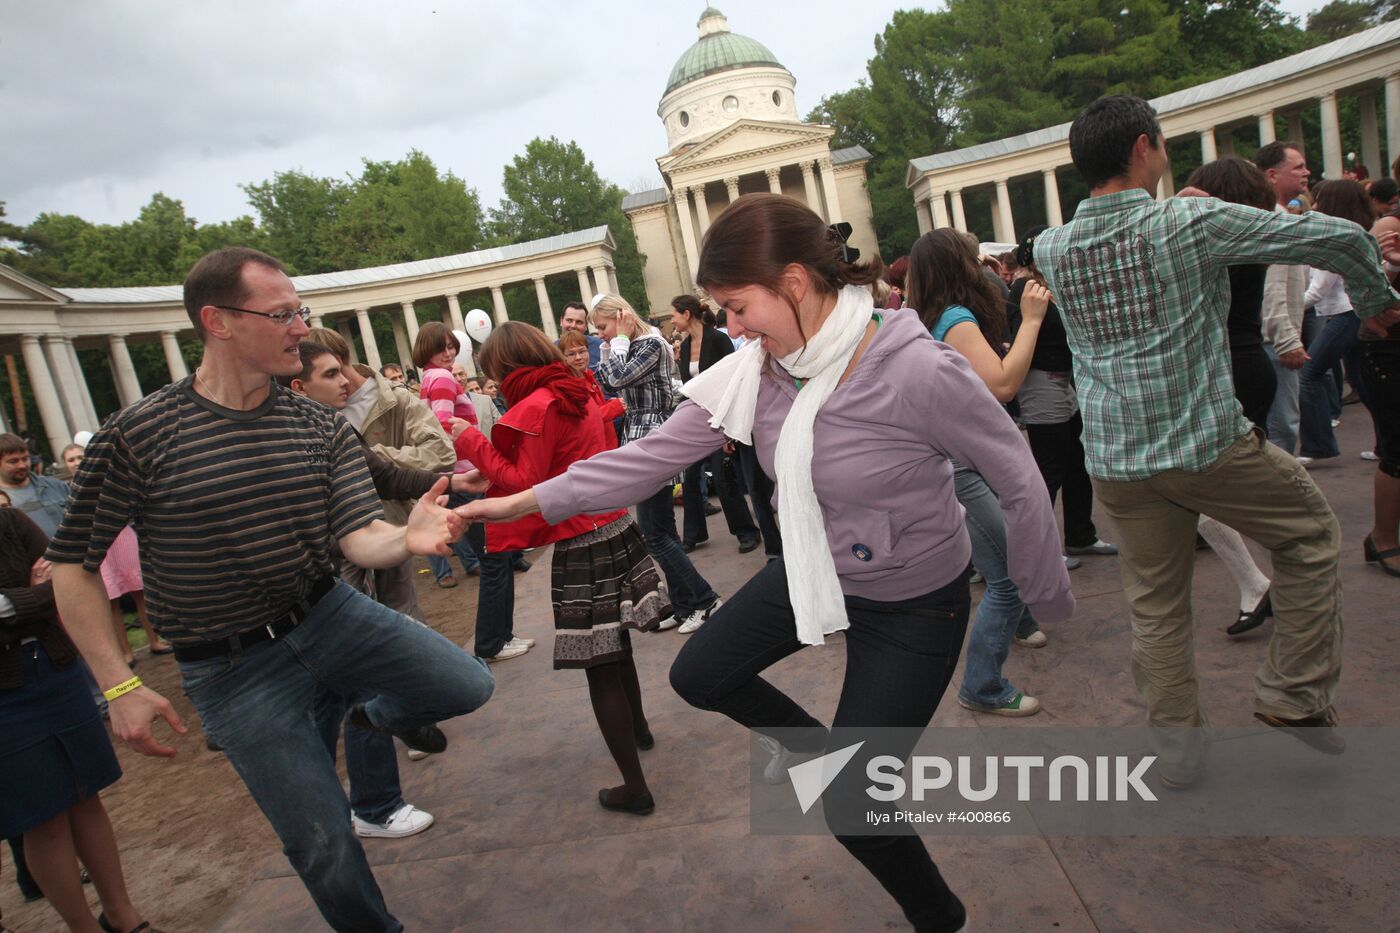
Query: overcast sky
x=103 y=103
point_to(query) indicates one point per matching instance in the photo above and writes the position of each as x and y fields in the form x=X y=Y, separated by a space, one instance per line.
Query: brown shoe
x=1318 y=730
x=447 y=582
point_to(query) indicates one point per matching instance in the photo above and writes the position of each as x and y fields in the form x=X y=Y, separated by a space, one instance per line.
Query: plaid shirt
x=642 y=376
x=1143 y=289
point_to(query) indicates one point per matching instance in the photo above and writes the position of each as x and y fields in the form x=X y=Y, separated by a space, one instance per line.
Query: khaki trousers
x=1263 y=493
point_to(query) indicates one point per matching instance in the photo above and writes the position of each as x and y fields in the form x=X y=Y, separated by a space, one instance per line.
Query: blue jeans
x=495 y=598
x=1317 y=386
x=1283 y=415
x=1001 y=611
x=258 y=706
x=657 y=517
x=371 y=761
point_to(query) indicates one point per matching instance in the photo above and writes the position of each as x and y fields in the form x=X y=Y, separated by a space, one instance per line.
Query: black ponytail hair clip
x=842 y=232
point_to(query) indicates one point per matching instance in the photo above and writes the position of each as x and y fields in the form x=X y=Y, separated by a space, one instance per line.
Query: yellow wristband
x=126 y=686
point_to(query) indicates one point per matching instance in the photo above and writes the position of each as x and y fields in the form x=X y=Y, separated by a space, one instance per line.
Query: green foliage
x=297 y=212
x=845 y=110
x=552 y=188
x=1341 y=18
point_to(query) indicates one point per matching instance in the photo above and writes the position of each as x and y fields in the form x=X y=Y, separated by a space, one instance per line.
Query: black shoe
x=105 y=925
x=1248 y=621
x=646 y=741
x=689 y=546
x=521 y=566
x=712 y=509
x=421 y=738
x=746 y=546
x=210 y=744
x=640 y=806
x=1318 y=731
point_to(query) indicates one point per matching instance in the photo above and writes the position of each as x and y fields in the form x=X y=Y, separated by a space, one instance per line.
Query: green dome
x=720 y=50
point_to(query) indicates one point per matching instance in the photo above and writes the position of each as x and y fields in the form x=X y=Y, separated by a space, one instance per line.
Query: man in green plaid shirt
x=1143 y=289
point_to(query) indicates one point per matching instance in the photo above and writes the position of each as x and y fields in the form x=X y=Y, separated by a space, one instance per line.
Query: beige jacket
x=486 y=414
x=402 y=427
x=1282 y=314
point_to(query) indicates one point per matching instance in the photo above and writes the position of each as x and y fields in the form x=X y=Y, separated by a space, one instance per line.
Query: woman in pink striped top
x=434 y=351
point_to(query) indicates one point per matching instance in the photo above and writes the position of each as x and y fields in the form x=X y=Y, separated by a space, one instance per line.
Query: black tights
x=617 y=705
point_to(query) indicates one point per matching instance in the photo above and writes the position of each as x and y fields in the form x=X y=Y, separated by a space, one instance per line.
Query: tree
x=552 y=188
x=1341 y=18
x=297 y=213
x=845 y=110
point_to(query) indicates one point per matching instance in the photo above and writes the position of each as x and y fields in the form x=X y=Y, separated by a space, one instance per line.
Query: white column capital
x=691 y=258
x=731 y=187
x=681 y=195
x=775 y=182
x=807 y=166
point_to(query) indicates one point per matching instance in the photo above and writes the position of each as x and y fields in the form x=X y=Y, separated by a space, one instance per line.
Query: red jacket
x=536 y=439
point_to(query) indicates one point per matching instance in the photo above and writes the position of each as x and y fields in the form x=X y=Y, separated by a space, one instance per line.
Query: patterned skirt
x=604 y=583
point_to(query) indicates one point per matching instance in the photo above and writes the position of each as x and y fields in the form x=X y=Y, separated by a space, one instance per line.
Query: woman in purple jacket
x=856 y=414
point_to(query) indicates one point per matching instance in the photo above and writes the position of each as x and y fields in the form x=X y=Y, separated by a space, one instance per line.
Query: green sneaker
x=1019 y=705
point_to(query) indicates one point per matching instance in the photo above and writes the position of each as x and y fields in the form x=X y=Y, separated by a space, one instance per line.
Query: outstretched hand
x=432 y=527
x=502 y=509
x=131 y=717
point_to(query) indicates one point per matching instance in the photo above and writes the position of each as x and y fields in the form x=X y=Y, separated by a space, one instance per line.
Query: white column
x=551 y=329
x=731 y=188
x=1167 y=183
x=692 y=256
x=372 y=359
x=1370 y=137
x=45 y=394
x=1267 y=131
x=612 y=280
x=317 y=319
x=498 y=304
x=1053 y=217
x=1162 y=193
x=67 y=384
x=585 y=289
x=174 y=359
x=343 y=328
x=775 y=179
x=454 y=312
x=959 y=214
x=1208 y=145
x=88 y=407
x=702 y=209
x=128 y=386
x=923 y=210
x=939 y=209
x=833 y=202
x=1008 y=225
x=809 y=186
x=1331 y=137
x=401 y=344
x=601 y=285
x=1392 y=120
x=410 y=320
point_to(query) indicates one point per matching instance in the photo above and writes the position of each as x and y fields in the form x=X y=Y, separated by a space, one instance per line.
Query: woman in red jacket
x=604 y=582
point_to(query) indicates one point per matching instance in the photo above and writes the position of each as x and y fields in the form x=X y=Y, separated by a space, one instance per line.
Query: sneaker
x=776 y=771
x=669 y=622
x=1019 y=705
x=407 y=820
x=424 y=738
x=699 y=617
x=1336 y=422
x=415 y=754
x=1035 y=639
x=1097 y=549
x=521 y=565
x=447 y=582
x=1369 y=455
x=1305 y=461
x=976 y=578
x=511 y=649
x=1073 y=563
x=527 y=642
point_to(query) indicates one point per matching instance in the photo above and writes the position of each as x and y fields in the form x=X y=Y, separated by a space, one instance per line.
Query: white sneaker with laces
x=1369 y=455
x=1035 y=639
x=527 y=642
x=669 y=622
x=776 y=771
x=407 y=820
x=699 y=617
x=509 y=650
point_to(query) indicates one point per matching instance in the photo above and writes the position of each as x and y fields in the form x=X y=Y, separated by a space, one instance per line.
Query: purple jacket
x=881 y=471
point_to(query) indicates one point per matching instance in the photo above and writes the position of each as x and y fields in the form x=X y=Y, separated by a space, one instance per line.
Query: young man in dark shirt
x=237 y=488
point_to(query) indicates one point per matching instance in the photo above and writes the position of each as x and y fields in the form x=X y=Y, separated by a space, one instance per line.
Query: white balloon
x=463 y=341
x=82 y=438
x=478 y=324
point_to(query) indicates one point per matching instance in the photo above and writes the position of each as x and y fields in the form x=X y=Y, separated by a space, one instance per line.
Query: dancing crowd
x=885 y=435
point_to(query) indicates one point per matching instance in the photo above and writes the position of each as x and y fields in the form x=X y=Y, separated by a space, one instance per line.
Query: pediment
x=745 y=138
x=16 y=286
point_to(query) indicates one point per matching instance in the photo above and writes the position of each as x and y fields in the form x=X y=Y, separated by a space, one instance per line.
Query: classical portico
x=732 y=125
x=47 y=326
x=1365 y=66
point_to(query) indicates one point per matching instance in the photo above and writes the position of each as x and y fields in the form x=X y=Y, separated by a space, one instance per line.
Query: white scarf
x=728 y=390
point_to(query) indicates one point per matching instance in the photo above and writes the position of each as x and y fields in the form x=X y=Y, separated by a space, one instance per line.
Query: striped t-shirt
x=235 y=511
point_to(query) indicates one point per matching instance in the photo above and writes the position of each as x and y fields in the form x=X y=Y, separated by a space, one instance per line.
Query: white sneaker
x=416 y=754
x=510 y=649
x=1336 y=422
x=669 y=622
x=1035 y=639
x=1369 y=455
x=407 y=820
x=776 y=771
x=527 y=642
x=1305 y=461
x=699 y=617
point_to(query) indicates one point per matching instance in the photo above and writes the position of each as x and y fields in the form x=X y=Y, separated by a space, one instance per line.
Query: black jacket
x=714 y=346
x=36 y=616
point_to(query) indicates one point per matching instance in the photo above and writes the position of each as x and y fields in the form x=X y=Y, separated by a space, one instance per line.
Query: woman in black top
x=702 y=347
x=54 y=751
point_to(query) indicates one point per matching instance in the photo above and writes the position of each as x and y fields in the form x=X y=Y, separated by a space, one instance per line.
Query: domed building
x=732 y=128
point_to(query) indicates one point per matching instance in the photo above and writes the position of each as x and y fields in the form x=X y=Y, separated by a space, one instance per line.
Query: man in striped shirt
x=1143 y=289
x=237 y=487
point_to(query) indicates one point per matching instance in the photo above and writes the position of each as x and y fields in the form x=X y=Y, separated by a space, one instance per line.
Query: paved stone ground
x=520 y=842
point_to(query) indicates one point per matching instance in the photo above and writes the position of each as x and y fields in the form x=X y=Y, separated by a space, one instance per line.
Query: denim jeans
x=899 y=659
x=657 y=517
x=1317 y=388
x=1001 y=611
x=731 y=499
x=1283 y=415
x=495 y=598
x=371 y=761
x=258 y=706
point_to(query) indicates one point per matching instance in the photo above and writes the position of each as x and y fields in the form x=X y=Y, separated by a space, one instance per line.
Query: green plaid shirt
x=1143 y=288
